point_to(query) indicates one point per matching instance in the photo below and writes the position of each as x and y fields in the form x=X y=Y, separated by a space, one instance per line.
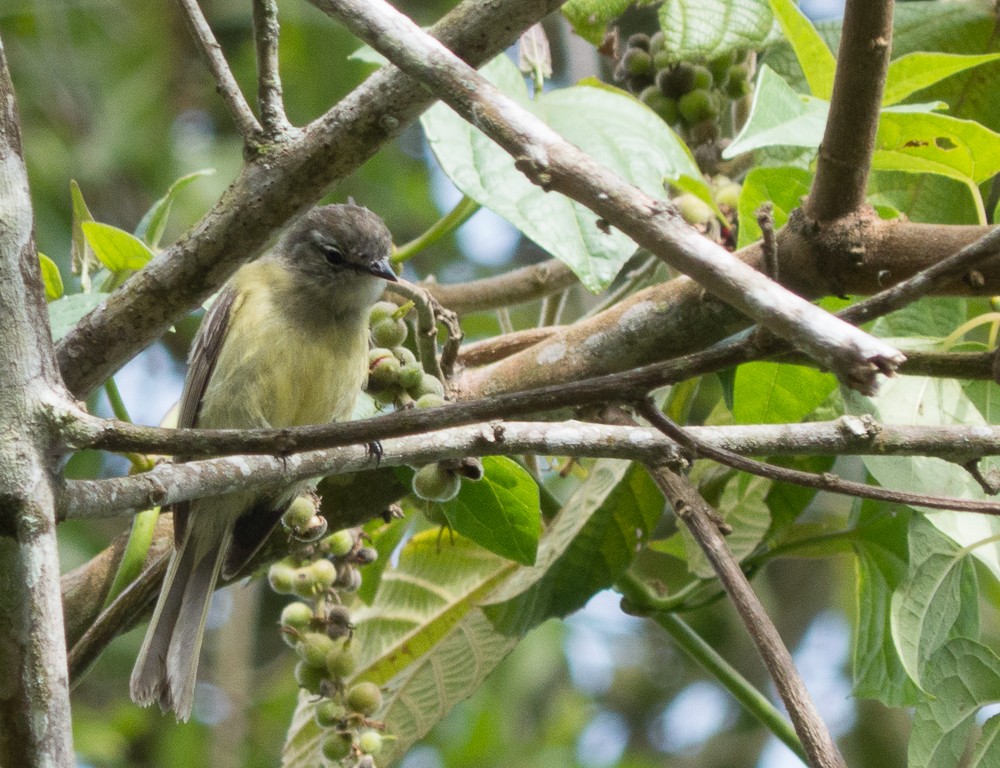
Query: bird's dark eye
x=334 y=255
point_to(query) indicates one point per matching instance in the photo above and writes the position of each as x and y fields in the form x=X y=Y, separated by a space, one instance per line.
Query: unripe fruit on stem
x=638 y=40
x=411 y=376
x=378 y=353
x=366 y=556
x=719 y=66
x=364 y=698
x=281 y=577
x=342 y=662
x=662 y=60
x=370 y=742
x=702 y=78
x=385 y=372
x=297 y=616
x=430 y=400
x=309 y=678
x=299 y=514
x=693 y=209
x=676 y=81
x=656 y=42
x=637 y=62
x=728 y=195
x=389 y=333
x=337 y=745
x=314 y=647
x=433 y=483
x=339 y=544
x=662 y=105
x=324 y=573
x=738 y=84
x=430 y=384
x=404 y=355
x=381 y=310
x=329 y=713
x=697 y=106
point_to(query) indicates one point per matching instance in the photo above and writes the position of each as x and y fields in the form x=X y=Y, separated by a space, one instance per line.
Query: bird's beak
x=383 y=269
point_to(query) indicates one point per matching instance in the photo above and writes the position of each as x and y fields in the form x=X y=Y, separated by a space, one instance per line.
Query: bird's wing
x=204 y=354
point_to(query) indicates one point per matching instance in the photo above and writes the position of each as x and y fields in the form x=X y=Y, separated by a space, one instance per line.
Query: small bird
x=284 y=344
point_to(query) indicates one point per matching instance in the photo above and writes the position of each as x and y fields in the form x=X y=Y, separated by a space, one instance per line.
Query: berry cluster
x=394 y=375
x=319 y=629
x=688 y=96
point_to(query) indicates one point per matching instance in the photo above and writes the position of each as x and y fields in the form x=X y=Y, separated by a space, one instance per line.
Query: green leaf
x=501 y=512
x=154 y=221
x=916 y=71
x=932 y=317
x=80 y=256
x=586 y=548
x=368 y=55
x=66 y=312
x=779 y=117
x=880 y=544
x=115 y=248
x=813 y=55
x=917 y=400
x=703 y=29
x=777 y=393
x=964 y=676
x=423 y=621
x=743 y=506
x=614 y=128
x=589 y=18
x=939 y=599
x=962 y=149
x=987 y=751
x=50 y=277
x=783 y=187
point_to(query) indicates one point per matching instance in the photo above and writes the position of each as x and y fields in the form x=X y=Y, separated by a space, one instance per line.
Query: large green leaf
x=937 y=601
x=587 y=547
x=783 y=187
x=814 y=56
x=500 y=512
x=616 y=129
x=922 y=69
x=66 y=312
x=116 y=249
x=702 y=29
x=154 y=221
x=880 y=543
x=964 y=676
x=916 y=400
x=780 y=117
x=774 y=393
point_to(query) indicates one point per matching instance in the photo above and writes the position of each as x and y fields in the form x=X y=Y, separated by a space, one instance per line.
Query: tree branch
x=514 y=287
x=700 y=519
x=554 y=164
x=845 y=156
x=225 y=83
x=270 y=191
x=269 y=94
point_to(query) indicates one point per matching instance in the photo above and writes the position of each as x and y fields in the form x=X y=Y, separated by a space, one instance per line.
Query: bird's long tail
x=167 y=666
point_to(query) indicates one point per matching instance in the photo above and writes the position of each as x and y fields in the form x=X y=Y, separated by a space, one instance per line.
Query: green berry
x=433 y=483
x=429 y=385
x=303 y=583
x=296 y=616
x=411 y=375
x=638 y=40
x=338 y=621
x=697 y=106
x=299 y=514
x=281 y=577
x=342 y=662
x=662 y=105
x=675 y=81
x=364 y=698
x=324 y=573
x=404 y=355
x=719 y=66
x=738 y=84
x=728 y=195
x=370 y=742
x=339 y=544
x=637 y=62
x=380 y=311
x=329 y=713
x=309 y=678
x=702 y=78
x=389 y=333
x=662 y=60
x=430 y=400
x=378 y=353
x=693 y=209
x=385 y=372
x=336 y=746
x=314 y=647
x=656 y=42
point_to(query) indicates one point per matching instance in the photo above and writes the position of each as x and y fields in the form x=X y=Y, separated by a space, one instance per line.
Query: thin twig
x=225 y=83
x=554 y=164
x=269 y=94
x=824 y=482
x=769 y=242
x=426 y=335
x=697 y=515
